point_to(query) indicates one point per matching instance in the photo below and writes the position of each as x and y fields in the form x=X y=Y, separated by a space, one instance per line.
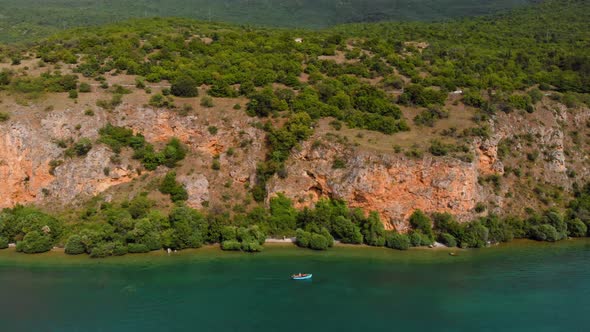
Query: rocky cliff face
x=33 y=168
x=393 y=185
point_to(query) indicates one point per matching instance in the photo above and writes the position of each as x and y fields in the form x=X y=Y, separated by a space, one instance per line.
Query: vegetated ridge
x=173 y=133
x=30 y=19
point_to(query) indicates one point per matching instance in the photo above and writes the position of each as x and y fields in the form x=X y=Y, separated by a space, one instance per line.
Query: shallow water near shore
x=522 y=286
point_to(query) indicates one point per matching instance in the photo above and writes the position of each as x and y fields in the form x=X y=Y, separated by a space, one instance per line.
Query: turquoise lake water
x=519 y=287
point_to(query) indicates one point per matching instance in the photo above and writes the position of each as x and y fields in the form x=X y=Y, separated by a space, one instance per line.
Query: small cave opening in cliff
x=318 y=191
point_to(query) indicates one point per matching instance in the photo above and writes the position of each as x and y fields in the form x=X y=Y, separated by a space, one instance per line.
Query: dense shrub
x=5 y=77
x=231 y=245
x=184 y=86
x=576 y=228
x=75 y=245
x=173 y=152
x=189 y=229
x=133 y=226
x=83 y=146
x=415 y=239
x=229 y=233
x=422 y=223
x=262 y=103
x=17 y=222
x=397 y=241
x=283 y=216
x=520 y=101
x=544 y=232
x=118 y=137
x=303 y=238
x=34 y=242
x=248 y=239
x=416 y=94
x=84 y=87
x=160 y=101
x=102 y=250
x=473 y=235
x=3 y=242
x=345 y=230
x=222 y=89
x=136 y=248
x=474 y=99
x=170 y=186
x=4 y=116
x=536 y=95
x=152 y=240
x=207 y=101
x=429 y=116
x=119 y=249
x=372 y=230
x=448 y=240
x=251 y=234
x=318 y=242
x=252 y=246
x=498 y=229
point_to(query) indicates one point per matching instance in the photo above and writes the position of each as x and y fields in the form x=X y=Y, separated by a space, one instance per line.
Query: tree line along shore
x=135 y=227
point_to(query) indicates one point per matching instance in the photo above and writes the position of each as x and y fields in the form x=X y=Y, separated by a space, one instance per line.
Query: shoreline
x=57 y=256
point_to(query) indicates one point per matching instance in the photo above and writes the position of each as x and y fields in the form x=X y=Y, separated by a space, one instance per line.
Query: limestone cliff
x=33 y=168
x=393 y=185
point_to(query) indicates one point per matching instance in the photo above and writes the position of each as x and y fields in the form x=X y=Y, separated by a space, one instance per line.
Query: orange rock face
x=22 y=172
x=389 y=183
x=392 y=185
x=28 y=149
x=488 y=162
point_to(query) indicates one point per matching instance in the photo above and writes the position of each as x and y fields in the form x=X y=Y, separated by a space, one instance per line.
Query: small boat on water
x=301 y=276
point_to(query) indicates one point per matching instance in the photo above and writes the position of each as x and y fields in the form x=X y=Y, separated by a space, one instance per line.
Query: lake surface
x=523 y=286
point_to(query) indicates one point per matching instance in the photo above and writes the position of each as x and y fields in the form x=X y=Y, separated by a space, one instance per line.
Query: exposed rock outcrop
x=393 y=185
x=33 y=168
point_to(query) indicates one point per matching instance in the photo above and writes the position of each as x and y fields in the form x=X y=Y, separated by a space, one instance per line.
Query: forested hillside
x=169 y=132
x=30 y=19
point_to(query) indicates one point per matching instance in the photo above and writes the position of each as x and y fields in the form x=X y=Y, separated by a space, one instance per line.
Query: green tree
x=34 y=242
x=283 y=216
x=372 y=230
x=190 y=228
x=3 y=242
x=397 y=241
x=318 y=242
x=448 y=240
x=170 y=186
x=75 y=245
x=184 y=86
x=303 y=238
x=422 y=223
x=345 y=230
x=576 y=228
